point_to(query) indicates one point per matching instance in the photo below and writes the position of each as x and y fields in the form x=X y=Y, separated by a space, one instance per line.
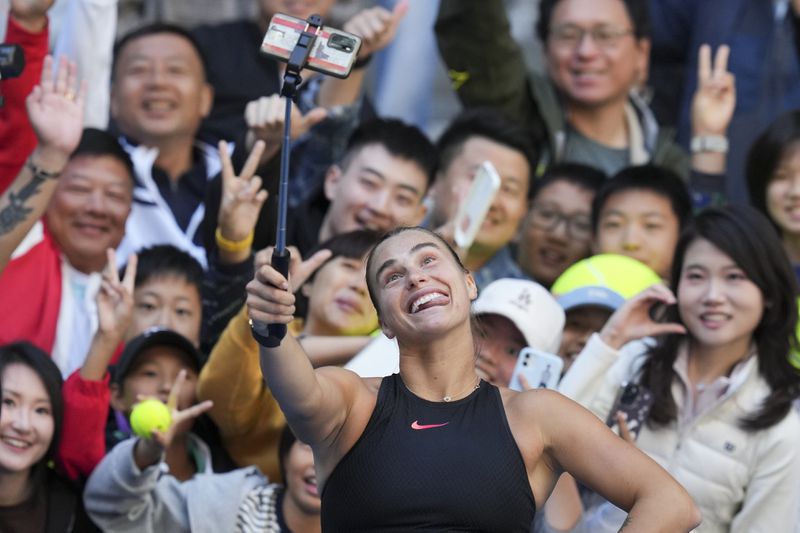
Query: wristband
x=709 y=143
x=363 y=62
x=233 y=246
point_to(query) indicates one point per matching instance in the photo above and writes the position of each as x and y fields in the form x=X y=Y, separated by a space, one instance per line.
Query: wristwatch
x=709 y=143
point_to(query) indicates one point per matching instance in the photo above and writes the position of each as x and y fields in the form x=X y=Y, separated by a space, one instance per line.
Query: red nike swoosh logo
x=416 y=425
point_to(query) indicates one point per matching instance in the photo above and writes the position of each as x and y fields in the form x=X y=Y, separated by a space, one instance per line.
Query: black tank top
x=430 y=466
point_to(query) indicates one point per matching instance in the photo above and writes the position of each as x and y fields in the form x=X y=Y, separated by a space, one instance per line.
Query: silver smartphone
x=541 y=369
x=334 y=51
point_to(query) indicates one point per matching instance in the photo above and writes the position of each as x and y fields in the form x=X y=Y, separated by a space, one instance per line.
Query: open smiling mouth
x=426 y=301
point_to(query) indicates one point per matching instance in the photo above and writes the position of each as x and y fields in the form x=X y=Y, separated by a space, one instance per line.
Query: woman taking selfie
x=721 y=419
x=434 y=447
x=33 y=498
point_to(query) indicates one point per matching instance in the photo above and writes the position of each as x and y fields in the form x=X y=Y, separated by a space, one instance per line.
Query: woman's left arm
x=619 y=472
x=772 y=497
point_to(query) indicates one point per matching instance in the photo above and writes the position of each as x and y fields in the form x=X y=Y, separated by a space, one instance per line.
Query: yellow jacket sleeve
x=249 y=419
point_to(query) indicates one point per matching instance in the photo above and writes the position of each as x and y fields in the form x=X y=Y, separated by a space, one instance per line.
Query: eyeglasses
x=570 y=36
x=548 y=218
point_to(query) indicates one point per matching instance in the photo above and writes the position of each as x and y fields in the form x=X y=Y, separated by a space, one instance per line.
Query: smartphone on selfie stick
x=300 y=44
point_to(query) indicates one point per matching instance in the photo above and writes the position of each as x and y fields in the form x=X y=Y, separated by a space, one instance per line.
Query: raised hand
x=376 y=26
x=55 y=110
x=269 y=300
x=148 y=451
x=633 y=321
x=242 y=196
x=115 y=298
x=299 y=270
x=265 y=116
x=114 y=314
x=715 y=98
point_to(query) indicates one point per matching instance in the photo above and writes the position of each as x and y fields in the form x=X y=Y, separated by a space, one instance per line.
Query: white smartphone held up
x=541 y=369
x=472 y=212
x=334 y=51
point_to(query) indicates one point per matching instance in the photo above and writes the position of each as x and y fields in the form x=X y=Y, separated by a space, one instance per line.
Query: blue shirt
x=501 y=265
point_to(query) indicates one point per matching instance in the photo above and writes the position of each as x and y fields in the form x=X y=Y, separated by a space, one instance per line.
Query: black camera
x=12 y=61
x=337 y=41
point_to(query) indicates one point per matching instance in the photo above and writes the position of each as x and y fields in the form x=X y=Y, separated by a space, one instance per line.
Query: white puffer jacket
x=743 y=482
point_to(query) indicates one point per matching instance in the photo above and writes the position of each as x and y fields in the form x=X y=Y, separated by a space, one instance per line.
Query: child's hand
x=148 y=451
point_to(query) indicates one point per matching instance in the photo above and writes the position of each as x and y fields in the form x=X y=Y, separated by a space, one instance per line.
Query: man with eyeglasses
x=557 y=230
x=588 y=109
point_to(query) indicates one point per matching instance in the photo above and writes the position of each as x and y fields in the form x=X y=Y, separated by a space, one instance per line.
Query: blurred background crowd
x=637 y=143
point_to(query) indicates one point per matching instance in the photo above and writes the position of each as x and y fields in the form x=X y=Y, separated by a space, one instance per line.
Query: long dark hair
x=766 y=154
x=27 y=354
x=748 y=238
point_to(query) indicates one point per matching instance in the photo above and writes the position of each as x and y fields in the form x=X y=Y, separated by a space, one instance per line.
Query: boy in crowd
x=640 y=212
x=590 y=291
x=379 y=184
x=546 y=246
x=159 y=297
x=472 y=138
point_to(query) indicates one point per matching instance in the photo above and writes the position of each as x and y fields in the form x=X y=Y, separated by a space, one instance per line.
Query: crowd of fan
x=656 y=145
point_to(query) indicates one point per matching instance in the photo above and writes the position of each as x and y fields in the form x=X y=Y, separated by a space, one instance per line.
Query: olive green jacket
x=488 y=70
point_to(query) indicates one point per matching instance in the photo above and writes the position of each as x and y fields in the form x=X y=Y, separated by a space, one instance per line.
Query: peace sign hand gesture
x=242 y=198
x=115 y=299
x=715 y=98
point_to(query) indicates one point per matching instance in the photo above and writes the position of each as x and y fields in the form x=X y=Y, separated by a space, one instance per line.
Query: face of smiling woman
x=420 y=289
x=26 y=420
x=719 y=305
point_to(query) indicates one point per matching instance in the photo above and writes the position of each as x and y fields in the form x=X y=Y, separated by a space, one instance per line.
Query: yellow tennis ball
x=148 y=416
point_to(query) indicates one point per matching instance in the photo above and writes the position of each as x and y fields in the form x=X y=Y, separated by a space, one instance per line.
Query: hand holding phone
x=542 y=370
x=634 y=402
x=472 y=212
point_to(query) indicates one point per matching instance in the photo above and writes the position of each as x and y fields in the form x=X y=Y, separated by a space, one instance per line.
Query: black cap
x=151 y=337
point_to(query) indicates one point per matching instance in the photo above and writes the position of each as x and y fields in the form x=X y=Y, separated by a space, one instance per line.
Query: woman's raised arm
x=316 y=403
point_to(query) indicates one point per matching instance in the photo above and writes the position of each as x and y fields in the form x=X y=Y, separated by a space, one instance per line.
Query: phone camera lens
x=337 y=41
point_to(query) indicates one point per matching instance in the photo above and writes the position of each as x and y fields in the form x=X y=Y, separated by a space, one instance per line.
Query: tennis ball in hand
x=148 y=416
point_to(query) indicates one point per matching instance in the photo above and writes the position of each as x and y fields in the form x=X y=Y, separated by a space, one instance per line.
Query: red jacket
x=30 y=289
x=17 y=139
x=83 y=434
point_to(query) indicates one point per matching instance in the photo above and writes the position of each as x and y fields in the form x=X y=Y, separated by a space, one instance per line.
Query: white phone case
x=541 y=369
x=473 y=211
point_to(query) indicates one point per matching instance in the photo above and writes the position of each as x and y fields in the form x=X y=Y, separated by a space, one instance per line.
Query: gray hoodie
x=119 y=497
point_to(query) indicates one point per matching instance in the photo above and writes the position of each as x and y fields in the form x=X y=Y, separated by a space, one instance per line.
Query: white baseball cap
x=531 y=308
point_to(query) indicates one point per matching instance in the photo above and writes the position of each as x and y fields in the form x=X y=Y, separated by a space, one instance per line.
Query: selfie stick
x=291 y=80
